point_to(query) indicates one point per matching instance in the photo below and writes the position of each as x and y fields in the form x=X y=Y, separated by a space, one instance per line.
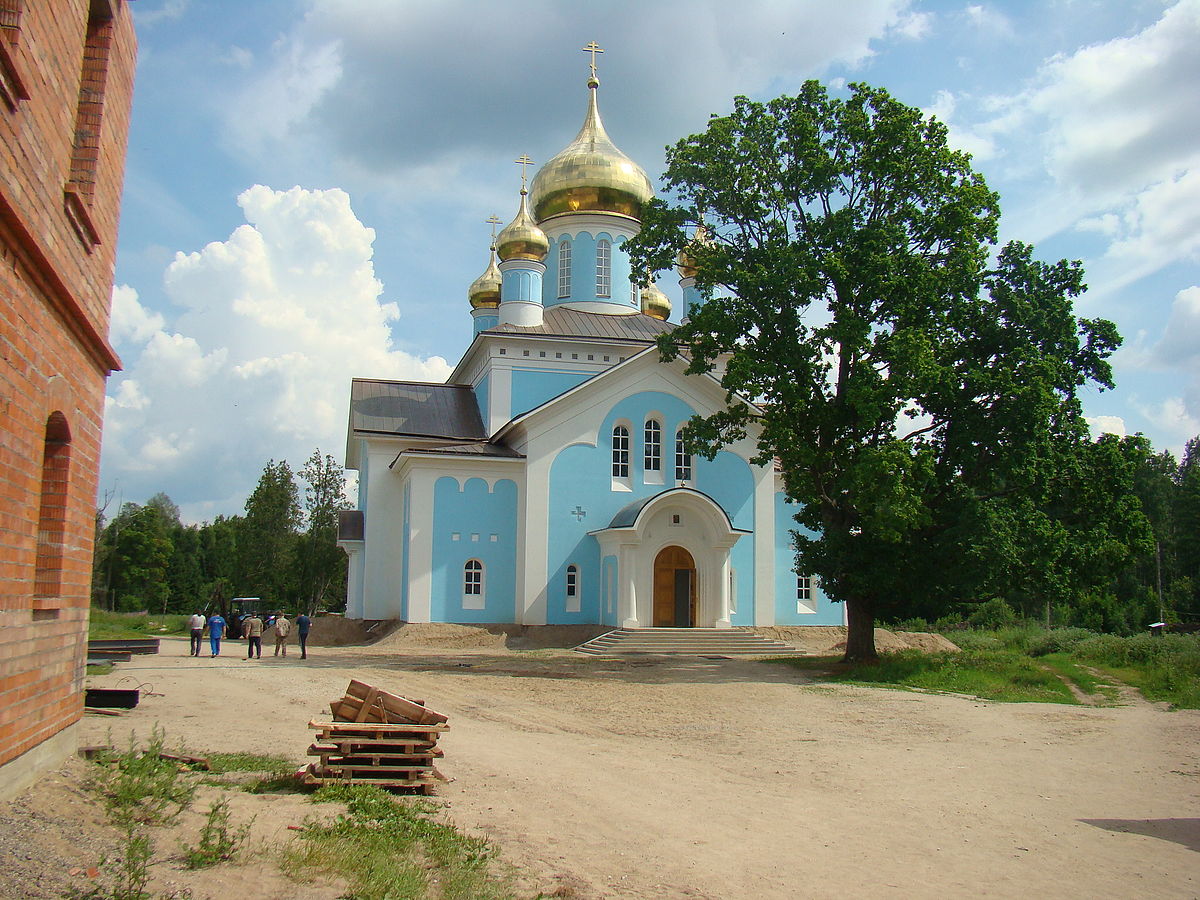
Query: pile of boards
x=377 y=737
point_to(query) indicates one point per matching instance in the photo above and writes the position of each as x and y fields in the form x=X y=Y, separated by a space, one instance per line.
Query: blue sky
x=307 y=184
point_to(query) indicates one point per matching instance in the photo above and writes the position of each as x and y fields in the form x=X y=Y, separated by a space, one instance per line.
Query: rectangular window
x=564 y=269
x=806 y=601
x=683 y=459
x=653 y=455
x=85 y=156
x=603 y=269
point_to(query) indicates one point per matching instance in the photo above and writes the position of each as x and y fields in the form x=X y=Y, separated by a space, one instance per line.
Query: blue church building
x=545 y=482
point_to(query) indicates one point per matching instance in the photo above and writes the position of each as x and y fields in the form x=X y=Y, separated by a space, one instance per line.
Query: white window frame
x=683 y=459
x=604 y=268
x=572 y=588
x=806 y=593
x=620 y=451
x=652 y=450
x=474 y=584
x=564 y=268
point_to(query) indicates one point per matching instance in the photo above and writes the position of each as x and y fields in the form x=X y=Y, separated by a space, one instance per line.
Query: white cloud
x=1106 y=425
x=989 y=19
x=273 y=324
x=168 y=11
x=961 y=137
x=1180 y=344
x=913 y=25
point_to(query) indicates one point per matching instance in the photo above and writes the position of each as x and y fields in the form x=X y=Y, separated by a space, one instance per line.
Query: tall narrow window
x=635 y=295
x=473 y=584
x=10 y=18
x=653 y=455
x=620 y=452
x=564 y=268
x=683 y=459
x=52 y=512
x=85 y=157
x=12 y=85
x=572 y=604
x=603 y=269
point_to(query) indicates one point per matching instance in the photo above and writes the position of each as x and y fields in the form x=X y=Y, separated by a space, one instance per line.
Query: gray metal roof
x=415 y=409
x=560 y=322
x=480 y=448
x=627 y=515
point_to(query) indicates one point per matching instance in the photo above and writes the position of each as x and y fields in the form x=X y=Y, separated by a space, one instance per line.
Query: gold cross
x=494 y=221
x=593 y=48
x=523 y=161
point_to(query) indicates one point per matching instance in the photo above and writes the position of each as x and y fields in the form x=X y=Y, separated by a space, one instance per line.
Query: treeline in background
x=282 y=549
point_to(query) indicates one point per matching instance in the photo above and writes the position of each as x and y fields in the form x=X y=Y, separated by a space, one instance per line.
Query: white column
x=627 y=581
x=723 y=592
x=420 y=548
x=764 y=547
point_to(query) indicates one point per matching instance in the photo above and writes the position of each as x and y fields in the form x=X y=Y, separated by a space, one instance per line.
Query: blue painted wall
x=483 y=323
x=828 y=613
x=533 y=387
x=471 y=511
x=583 y=271
x=581 y=478
x=608 y=591
x=521 y=284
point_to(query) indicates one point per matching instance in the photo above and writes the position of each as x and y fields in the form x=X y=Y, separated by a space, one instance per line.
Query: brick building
x=66 y=83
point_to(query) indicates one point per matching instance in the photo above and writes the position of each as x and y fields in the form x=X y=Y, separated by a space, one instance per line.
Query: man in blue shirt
x=303 y=624
x=216 y=628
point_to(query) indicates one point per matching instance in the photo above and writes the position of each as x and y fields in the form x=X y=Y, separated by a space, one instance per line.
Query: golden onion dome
x=686 y=260
x=655 y=302
x=590 y=174
x=521 y=238
x=484 y=292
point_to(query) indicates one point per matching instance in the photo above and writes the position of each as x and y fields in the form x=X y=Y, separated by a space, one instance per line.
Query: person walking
x=216 y=629
x=282 y=629
x=196 y=626
x=303 y=624
x=252 y=626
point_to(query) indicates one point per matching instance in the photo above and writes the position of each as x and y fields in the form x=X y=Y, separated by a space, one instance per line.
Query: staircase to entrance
x=686 y=642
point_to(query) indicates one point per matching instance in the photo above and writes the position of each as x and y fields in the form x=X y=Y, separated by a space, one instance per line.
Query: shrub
x=994 y=613
x=1057 y=640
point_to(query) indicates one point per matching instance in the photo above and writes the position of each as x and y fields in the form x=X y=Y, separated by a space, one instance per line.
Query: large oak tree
x=911 y=386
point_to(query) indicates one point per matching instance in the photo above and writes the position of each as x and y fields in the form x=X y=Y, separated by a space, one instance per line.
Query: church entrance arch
x=674 y=588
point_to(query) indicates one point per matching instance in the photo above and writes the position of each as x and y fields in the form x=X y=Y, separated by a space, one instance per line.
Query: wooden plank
x=396 y=705
x=380 y=728
x=367 y=703
x=375 y=752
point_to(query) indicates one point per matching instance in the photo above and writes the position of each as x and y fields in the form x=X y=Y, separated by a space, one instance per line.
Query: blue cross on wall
x=578 y=512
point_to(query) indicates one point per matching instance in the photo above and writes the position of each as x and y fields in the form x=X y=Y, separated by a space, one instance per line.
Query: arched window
x=572 y=604
x=620 y=452
x=653 y=454
x=603 y=269
x=683 y=459
x=473 y=584
x=564 y=268
x=52 y=512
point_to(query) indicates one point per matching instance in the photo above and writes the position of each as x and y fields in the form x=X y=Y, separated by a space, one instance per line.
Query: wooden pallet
x=377 y=737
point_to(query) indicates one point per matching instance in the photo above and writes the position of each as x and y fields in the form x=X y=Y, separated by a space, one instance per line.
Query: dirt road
x=722 y=778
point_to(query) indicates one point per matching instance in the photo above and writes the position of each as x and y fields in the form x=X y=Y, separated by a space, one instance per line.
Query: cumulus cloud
x=354 y=74
x=273 y=323
x=1106 y=425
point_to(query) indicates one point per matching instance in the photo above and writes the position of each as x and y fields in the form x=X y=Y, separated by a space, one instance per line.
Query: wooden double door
x=674 y=589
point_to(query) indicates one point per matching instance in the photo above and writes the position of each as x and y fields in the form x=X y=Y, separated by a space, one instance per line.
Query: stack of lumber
x=376 y=737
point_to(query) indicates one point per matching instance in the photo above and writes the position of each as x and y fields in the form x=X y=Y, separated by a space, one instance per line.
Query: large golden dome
x=521 y=238
x=686 y=260
x=590 y=174
x=484 y=292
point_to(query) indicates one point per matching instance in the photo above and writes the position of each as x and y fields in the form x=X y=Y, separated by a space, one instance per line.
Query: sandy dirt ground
x=651 y=778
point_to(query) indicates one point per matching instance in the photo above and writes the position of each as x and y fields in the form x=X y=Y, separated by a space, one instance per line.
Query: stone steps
x=686 y=642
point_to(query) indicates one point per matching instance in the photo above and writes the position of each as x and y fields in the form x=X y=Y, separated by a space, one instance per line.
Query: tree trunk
x=860 y=631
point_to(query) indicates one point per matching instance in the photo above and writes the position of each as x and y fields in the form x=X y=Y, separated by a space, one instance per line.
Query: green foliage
x=221 y=763
x=323 y=564
x=390 y=849
x=139 y=787
x=219 y=840
x=105 y=625
x=995 y=613
x=1165 y=667
x=922 y=406
x=266 y=542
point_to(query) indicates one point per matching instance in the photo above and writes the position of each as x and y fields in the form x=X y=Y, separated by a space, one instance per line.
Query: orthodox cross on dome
x=523 y=161
x=494 y=220
x=593 y=48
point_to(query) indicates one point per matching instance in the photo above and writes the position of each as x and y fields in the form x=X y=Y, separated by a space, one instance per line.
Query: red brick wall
x=57 y=251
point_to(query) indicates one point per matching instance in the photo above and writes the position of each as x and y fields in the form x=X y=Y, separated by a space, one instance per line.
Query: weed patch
x=219 y=840
x=139 y=787
x=392 y=849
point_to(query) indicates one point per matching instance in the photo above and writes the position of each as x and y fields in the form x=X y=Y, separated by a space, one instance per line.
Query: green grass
x=100 y=669
x=391 y=848
x=220 y=763
x=988 y=674
x=138 y=787
x=1083 y=677
x=110 y=626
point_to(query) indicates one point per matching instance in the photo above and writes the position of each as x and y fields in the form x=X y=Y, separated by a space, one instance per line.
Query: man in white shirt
x=196 y=624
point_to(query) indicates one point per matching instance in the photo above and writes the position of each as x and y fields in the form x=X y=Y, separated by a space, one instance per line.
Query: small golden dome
x=655 y=303
x=484 y=292
x=590 y=174
x=686 y=260
x=521 y=238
